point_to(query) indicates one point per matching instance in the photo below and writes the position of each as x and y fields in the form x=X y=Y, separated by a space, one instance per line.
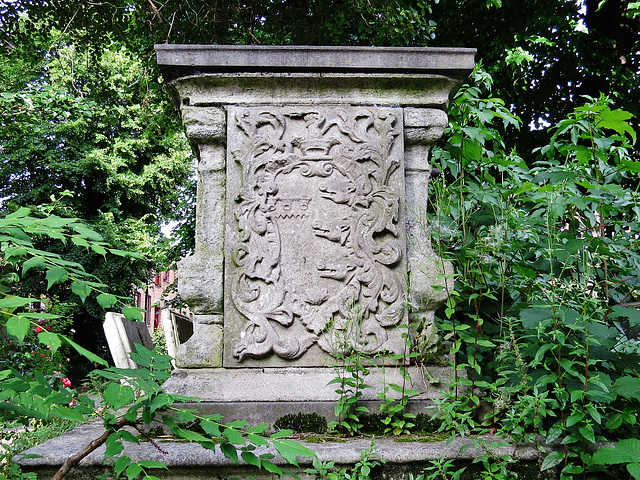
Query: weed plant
x=544 y=317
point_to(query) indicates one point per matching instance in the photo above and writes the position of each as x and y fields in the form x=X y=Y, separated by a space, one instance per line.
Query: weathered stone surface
x=315 y=243
x=420 y=90
x=177 y=330
x=182 y=60
x=122 y=336
x=297 y=384
x=189 y=461
x=200 y=282
x=312 y=176
x=313 y=169
x=203 y=349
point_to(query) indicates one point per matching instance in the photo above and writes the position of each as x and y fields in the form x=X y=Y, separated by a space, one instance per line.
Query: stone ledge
x=277 y=88
x=191 y=461
x=180 y=60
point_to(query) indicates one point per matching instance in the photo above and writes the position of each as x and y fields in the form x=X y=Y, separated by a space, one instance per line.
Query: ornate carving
x=318 y=255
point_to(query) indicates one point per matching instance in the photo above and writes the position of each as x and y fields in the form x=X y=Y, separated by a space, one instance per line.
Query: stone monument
x=313 y=167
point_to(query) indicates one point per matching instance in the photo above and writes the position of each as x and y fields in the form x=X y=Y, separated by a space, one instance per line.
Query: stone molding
x=183 y=60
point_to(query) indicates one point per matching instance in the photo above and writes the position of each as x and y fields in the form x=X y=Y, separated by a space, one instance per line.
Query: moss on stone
x=302 y=423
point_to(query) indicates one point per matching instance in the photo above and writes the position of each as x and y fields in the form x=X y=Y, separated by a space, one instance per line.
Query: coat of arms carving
x=315 y=249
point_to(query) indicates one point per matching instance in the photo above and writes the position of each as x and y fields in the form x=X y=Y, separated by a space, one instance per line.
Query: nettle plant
x=133 y=397
x=544 y=320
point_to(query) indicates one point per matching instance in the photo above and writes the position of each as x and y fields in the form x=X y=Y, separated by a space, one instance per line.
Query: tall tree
x=85 y=125
x=545 y=54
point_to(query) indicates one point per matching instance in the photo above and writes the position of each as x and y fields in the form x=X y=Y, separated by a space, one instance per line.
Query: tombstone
x=177 y=330
x=122 y=336
x=311 y=239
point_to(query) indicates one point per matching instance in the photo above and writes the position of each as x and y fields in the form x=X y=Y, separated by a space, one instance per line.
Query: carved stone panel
x=315 y=246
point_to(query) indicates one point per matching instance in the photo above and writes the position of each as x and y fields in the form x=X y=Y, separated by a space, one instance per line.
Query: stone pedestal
x=311 y=243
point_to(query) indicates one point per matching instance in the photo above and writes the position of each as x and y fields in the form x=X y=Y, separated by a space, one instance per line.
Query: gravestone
x=311 y=239
x=177 y=330
x=122 y=336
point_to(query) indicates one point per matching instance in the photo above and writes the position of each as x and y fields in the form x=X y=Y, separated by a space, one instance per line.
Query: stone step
x=188 y=461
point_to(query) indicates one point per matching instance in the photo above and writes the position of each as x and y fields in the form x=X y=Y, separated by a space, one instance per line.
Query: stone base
x=192 y=462
x=264 y=395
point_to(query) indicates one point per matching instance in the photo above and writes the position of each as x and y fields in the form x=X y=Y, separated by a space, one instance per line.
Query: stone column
x=200 y=281
x=423 y=128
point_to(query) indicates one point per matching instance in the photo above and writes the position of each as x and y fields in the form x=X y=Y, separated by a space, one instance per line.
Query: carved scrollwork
x=318 y=256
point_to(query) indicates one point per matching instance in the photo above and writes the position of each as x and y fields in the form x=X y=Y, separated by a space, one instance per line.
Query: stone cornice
x=177 y=61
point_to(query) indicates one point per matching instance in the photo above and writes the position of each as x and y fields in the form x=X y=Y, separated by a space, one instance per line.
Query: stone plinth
x=313 y=167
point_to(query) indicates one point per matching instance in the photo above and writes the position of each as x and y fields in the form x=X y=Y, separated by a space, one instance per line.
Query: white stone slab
x=122 y=336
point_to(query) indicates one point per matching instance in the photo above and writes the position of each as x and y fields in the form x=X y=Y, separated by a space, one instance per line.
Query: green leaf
x=18 y=327
x=251 y=459
x=587 y=432
x=551 y=460
x=56 y=275
x=132 y=313
x=614 y=421
x=271 y=467
x=114 y=445
x=159 y=402
x=234 y=436
x=53 y=340
x=258 y=428
x=617 y=120
x=152 y=464
x=628 y=387
x=133 y=471
x=192 y=436
x=625 y=451
x=38 y=315
x=282 y=434
x=34 y=262
x=531 y=317
x=229 y=451
x=99 y=249
x=118 y=395
x=124 y=253
x=471 y=151
x=22 y=212
x=92 y=357
x=634 y=470
x=257 y=440
x=185 y=415
x=555 y=431
x=13 y=301
x=79 y=241
x=106 y=300
x=68 y=413
x=121 y=464
x=238 y=424
x=81 y=288
x=290 y=450
x=211 y=427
